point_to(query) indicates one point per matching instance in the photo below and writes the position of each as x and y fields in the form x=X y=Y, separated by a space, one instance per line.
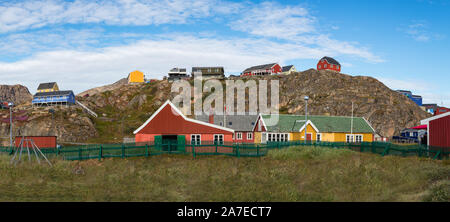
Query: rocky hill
x=332 y=94
x=123 y=107
x=126 y=107
x=69 y=124
x=18 y=94
x=105 y=88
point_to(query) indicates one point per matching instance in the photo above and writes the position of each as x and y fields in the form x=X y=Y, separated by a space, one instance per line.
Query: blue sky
x=83 y=44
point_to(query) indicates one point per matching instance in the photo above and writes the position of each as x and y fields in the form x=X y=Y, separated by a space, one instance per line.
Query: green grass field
x=293 y=174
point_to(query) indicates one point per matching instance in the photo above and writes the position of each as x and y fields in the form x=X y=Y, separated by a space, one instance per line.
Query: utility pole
x=10 y=105
x=306 y=116
x=351 y=126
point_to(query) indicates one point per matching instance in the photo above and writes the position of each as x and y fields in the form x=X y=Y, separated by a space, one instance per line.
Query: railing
x=100 y=151
x=87 y=109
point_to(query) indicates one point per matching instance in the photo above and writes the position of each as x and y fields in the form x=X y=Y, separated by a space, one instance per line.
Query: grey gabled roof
x=331 y=60
x=404 y=91
x=55 y=93
x=48 y=85
x=194 y=69
x=287 y=68
x=265 y=66
x=244 y=123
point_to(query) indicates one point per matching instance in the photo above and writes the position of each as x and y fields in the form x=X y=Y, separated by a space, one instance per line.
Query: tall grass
x=293 y=174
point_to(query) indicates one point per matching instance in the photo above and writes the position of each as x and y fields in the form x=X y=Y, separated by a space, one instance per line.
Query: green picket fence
x=100 y=151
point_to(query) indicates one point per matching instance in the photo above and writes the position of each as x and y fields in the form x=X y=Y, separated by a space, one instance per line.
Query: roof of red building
x=331 y=60
x=420 y=127
x=177 y=112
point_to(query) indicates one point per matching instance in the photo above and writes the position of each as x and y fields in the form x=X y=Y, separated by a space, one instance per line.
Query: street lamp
x=306 y=115
x=10 y=106
x=52 y=111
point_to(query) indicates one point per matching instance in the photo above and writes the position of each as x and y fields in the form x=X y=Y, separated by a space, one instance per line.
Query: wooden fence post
x=100 y=152
x=257 y=149
x=237 y=151
x=146 y=150
x=193 y=149
x=79 y=153
x=123 y=151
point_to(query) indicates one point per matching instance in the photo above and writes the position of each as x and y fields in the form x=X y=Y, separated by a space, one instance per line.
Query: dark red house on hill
x=168 y=125
x=328 y=63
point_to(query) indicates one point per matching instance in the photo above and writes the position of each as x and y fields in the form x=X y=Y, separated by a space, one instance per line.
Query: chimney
x=211 y=117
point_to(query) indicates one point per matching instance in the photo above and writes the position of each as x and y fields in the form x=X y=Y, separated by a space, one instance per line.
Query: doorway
x=169 y=142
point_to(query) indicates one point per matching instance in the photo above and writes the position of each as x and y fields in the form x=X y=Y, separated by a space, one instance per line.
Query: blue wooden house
x=415 y=98
x=55 y=97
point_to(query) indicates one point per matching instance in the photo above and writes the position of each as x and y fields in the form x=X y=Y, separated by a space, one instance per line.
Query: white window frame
x=195 y=141
x=319 y=137
x=359 y=136
x=239 y=136
x=218 y=139
x=249 y=136
x=353 y=138
x=349 y=136
x=278 y=137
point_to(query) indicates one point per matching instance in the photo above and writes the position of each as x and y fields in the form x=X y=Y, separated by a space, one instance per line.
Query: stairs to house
x=87 y=109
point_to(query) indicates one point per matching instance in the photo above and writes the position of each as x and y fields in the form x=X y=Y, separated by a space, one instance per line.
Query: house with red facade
x=168 y=125
x=438 y=128
x=39 y=141
x=328 y=63
x=262 y=70
x=441 y=110
x=241 y=124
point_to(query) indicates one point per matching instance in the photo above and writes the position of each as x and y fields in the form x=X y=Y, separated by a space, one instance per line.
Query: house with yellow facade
x=136 y=77
x=47 y=87
x=282 y=127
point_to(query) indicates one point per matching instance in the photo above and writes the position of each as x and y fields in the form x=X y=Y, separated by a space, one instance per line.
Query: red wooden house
x=441 y=110
x=438 y=130
x=39 y=141
x=168 y=125
x=241 y=124
x=262 y=70
x=328 y=63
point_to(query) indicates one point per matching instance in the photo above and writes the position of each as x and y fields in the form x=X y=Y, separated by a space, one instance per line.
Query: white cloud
x=419 y=31
x=83 y=69
x=272 y=20
x=43 y=40
x=80 y=70
x=405 y=84
x=429 y=92
x=80 y=59
x=295 y=24
x=34 y=14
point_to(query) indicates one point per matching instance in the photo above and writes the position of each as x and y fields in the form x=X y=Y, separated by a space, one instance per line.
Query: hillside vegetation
x=123 y=107
x=294 y=174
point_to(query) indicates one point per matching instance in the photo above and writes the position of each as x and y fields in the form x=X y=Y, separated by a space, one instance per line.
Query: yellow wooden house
x=136 y=77
x=318 y=128
x=47 y=87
